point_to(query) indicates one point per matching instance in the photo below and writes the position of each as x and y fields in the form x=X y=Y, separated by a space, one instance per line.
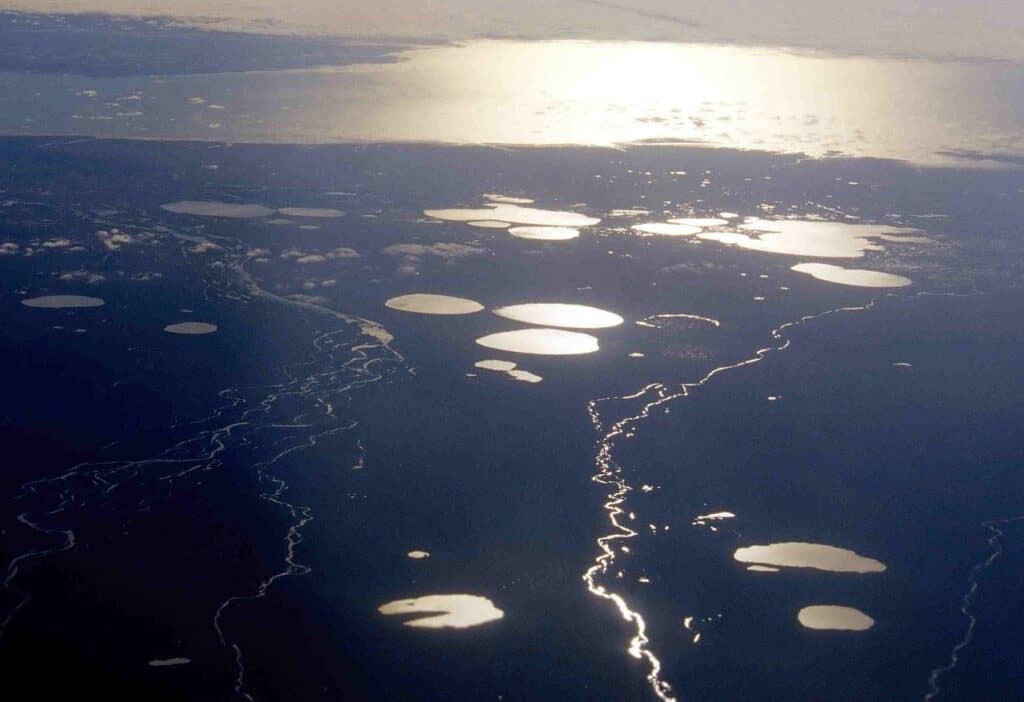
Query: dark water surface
x=246 y=499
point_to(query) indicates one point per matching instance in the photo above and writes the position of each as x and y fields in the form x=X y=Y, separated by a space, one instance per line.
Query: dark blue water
x=246 y=499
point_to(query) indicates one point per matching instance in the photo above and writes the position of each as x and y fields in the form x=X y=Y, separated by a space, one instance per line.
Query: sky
x=934 y=29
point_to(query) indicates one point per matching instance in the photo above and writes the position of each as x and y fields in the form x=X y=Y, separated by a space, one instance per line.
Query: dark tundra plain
x=398 y=421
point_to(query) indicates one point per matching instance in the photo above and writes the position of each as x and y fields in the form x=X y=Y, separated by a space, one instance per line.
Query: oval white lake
x=676 y=321
x=666 y=229
x=427 y=303
x=509 y=368
x=321 y=212
x=213 y=208
x=545 y=233
x=813 y=238
x=834 y=617
x=494 y=365
x=856 y=277
x=451 y=611
x=553 y=314
x=545 y=342
x=60 y=302
x=525 y=376
x=798 y=554
x=515 y=214
x=191 y=328
x=699 y=221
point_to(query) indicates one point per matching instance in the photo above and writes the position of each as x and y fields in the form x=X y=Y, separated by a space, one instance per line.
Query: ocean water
x=550 y=93
x=255 y=466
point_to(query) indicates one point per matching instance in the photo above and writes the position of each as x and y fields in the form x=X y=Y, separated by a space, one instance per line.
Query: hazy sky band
x=943 y=29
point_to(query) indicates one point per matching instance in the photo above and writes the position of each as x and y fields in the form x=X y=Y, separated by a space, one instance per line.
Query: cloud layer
x=944 y=28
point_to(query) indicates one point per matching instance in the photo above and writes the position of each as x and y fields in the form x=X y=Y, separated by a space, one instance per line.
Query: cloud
x=692 y=267
x=990 y=29
x=114 y=239
x=444 y=250
x=83 y=277
x=146 y=276
x=342 y=252
x=205 y=247
x=313 y=283
x=310 y=299
x=316 y=257
x=413 y=254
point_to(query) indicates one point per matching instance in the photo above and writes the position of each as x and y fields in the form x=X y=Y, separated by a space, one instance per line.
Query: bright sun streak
x=606 y=93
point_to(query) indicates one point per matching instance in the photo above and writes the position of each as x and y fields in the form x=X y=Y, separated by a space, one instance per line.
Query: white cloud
x=114 y=239
x=205 y=247
x=342 y=252
x=317 y=257
x=445 y=250
x=146 y=276
x=310 y=299
x=413 y=254
x=83 y=276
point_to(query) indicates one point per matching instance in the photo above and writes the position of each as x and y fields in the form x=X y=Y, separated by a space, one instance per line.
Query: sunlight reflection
x=554 y=314
x=444 y=611
x=797 y=554
x=856 y=277
x=545 y=342
x=594 y=92
x=429 y=303
x=835 y=618
x=572 y=92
